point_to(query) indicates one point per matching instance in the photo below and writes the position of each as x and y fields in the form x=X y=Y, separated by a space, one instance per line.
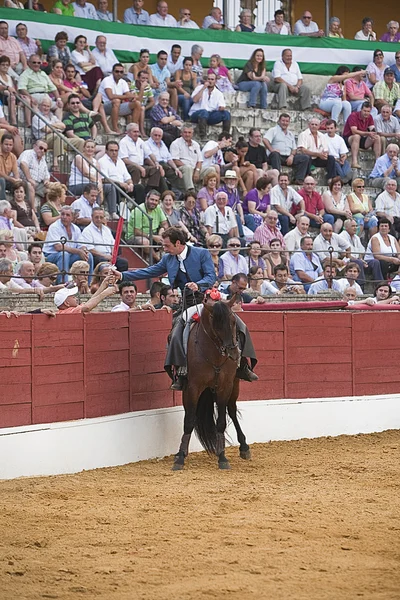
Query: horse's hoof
x=225 y=466
x=245 y=454
x=177 y=467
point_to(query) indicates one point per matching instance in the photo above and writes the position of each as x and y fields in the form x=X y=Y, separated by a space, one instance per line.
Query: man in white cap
x=67 y=302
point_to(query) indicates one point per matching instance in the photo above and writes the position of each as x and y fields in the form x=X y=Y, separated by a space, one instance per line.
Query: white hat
x=230 y=175
x=61 y=295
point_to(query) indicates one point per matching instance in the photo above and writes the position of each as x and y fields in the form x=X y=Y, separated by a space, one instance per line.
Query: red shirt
x=313 y=204
x=355 y=120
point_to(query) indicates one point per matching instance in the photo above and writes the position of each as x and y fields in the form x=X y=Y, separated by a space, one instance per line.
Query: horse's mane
x=222 y=320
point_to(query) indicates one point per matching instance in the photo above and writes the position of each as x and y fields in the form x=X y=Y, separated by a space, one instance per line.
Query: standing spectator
x=136 y=158
x=85 y=63
x=314 y=144
x=307 y=27
x=366 y=34
x=387 y=126
x=118 y=99
x=336 y=204
x=219 y=218
x=257 y=156
x=231 y=262
x=333 y=99
x=282 y=148
x=187 y=83
x=104 y=57
x=10 y=47
x=33 y=169
x=63 y=7
x=361 y=207
x=392 y=34
x=288 y=81
x=186 y=154
x=85 y=10
x=305 y=266
x=139 y=225
x=376 y=69
x=28 y=45
x=387 y=92
x=185 y=21
x=338 y=149
x=161 y=18
x=115 y=171
x=386 y=167
x=254 y=79
x=245 y=21
x=164 y=116
x=359 y=132
x=103 y=13
x=356 y=90
x=136 y=15
x=60 y=49
x=209 y=106
x=284 y=199
x=293 y=237
x=387 y=205
x=83 y=206
x=145 y=96
x=269 y=231
x=278 y=24
x=334 y=28
x=99 y=240
x=214 y=20
x=313 y=205
x=162 y=78
x=41 y=130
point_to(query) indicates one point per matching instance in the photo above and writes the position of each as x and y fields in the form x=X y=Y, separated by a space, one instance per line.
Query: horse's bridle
x=223 y=350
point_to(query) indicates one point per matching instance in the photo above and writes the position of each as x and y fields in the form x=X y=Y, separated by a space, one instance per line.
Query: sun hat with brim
x=61 y=295
x=230 y=175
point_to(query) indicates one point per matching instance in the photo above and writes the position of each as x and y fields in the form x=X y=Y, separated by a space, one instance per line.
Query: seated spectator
x=145 y=96
x=282 y=283
x=351 y=273
x=366 y=34
x=334 y=28
x=191 y=218
x=306 y=26
x=33 y=170
x=284 y=199
x=186 y=84
x=256 y=278
x=288 y=81
x=275 y=257
x=80 y=276
x=143 y=65
x=59 y=49
x=85 y=10
x=387 y=126
x=268 y=230
x=175 y=61
x=22 y=282
x=161 y=158
x=385 y=248
x=8 y=90
x=196 y=54
x=136 y=15
x=128 y=293
x=103 y=13
x=28 y=45
x=328 y=244
x=387 y=92
x=9 y=174
x=238 y=285
x=336 y=204
x=11 y=130
x=185 y=21
x=101 y=271
x=314 y=144
x=6 y=272
x=115 y=171
x=257 y=156
x=13 y=4
x=224 y=80
x=162 y=115
x=35 y=6
x=387 y=205
x=278 y=24
x=359 y=132
x=292 y=238
x=162 y=79
x=171 y=213
x=55 y=200
x=213 y=157
x=282 y=148
x=35 y=255
x=254 y=79
x=133 y=152
x=42 y=131
x=65 y=255
x=386 y=167
x=161 y=18
x=338 y=149
x=67 y=302
x=105 y=57
x=349 y=234
x=139 y=225
x=220 y=219
x=65 y=82
x=36 y=85
x=357 y=91
x=6 y=215
x=328 y=280
x=255 y=261
x=305 y=266
x=383 y=294
x=214 y=20
x=207 y=194
x=83 y=206
x=25 y=215
x=396 y=67
x=231 y=262
x=186 y=154
x=230 y=186
x=209 y=106
x=333 y=98
x=256 y=203
x=376 y=69
x=99 y=240
x=313 y=205
x=79 y=126
x=10 y=47
x=85 y=63
x=46 y=277
x=247 y=171
x=361 y=207
x=214 y=245
x=245 y=21
x=118 y=99
x=85 y=169
x=63 y=7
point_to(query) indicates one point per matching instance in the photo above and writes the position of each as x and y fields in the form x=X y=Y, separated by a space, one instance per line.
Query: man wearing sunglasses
x=232 y=262
x=185 y=21
x=307 y=27
x=35 y=84
x=118 y=99
x=33 y=169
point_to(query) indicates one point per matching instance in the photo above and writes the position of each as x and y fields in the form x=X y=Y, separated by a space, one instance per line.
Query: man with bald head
x=293 y=237
x=161 y=18
x=314 y=144
x=313 y=205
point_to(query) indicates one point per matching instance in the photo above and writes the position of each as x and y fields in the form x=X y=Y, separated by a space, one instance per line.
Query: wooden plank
x=165 y=400
x=113 y=403
x=267 y=340
x=376 y=321
x=318 y=336
x=12 y=324
x=377 y=358
x=60 y=323
x=262 y=321
x=107 y=362
x=106 y=341
x=378 y=388
x=269 y=372
x=310 y=320
x=15 y=393
x=107 y=383
x=15 y=357
x=153 y=341
x=317 y=354
x=177 y=398
x=67 y=373
x=384 y=340
x=377 y=375
x=57 y=393
x=261 y=390
x=152 y=362
x=8 y=339
x=139 y=402
x=55 y=338
x=144 y=321
x=319 y=389
x=106 y=321
x=270 y=357
x=56 y=356
x=154 y=383
x=15 y=375
x=57 y=413
x=15 y=415
x=319 y=373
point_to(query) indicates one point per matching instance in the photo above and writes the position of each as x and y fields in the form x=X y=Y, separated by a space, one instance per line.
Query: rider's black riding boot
x=180 y=379
x=244 y=372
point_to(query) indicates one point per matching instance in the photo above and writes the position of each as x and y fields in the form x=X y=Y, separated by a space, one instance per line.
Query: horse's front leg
x=223 y=462
x=188 y=425
x=244 y=448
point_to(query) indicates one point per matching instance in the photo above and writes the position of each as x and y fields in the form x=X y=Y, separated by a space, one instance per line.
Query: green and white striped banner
x=319 y=56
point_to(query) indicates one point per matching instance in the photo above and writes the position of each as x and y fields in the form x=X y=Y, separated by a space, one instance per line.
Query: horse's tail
x=205 y=426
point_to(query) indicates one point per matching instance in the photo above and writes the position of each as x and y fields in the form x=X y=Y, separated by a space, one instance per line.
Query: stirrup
x=179 y=383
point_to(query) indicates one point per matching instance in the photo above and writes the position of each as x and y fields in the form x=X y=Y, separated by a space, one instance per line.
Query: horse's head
x=221 y=325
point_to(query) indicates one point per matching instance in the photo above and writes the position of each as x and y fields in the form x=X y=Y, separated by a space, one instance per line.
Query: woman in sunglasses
x=46 y=278
x=361 y=207
x=214 y=245
x=376 y=69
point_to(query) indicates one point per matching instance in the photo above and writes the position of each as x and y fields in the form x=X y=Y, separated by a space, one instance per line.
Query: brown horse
x=212 y=359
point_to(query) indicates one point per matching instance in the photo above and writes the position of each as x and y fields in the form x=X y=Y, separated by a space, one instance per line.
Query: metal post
x=327 y=15
x=115 y=10
x=63 y=241
x=30 y=5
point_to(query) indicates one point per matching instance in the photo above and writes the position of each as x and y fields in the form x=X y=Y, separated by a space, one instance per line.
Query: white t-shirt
x=299 y=27
x=336 y=145
x=214 y=159
x=117 y=88
x=218 y=222
x=291 y=75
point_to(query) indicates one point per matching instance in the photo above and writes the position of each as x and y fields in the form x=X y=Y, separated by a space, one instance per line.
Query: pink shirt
x=358 y=89
x=265 y=234
x=10 y=48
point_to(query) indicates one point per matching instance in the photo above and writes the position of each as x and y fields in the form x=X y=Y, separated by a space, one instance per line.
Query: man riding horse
x=192 y=270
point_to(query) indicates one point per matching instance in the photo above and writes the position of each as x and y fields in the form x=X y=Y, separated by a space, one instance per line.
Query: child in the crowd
x=224 y=81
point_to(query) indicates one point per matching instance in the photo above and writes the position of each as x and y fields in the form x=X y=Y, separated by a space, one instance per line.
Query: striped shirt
x=80 y=126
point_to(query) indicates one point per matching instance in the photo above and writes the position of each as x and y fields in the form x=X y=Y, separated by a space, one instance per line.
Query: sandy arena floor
x=312 y=519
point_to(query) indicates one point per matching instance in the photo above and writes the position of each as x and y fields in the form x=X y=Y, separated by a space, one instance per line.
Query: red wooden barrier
x=75 y=366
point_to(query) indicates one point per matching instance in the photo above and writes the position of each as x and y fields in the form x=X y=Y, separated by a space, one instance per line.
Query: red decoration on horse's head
x=213 y=294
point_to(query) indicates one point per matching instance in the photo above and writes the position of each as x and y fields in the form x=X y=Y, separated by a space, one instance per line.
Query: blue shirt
x=134 y=18
x=381 y=165
x=396 y=72
x=300 y=262
x=85 y=12
x=322 y=286
x=161 y=75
